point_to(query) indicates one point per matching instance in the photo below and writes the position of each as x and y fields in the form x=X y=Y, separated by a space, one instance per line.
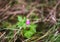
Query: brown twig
x=52 y=13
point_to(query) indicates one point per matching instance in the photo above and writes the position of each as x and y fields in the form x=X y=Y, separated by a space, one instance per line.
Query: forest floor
x=29 y=20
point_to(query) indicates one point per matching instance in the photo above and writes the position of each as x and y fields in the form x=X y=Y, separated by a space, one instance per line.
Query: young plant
x=29 y=29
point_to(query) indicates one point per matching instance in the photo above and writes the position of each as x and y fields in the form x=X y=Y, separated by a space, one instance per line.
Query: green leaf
x=28 y=34
x=19 y=18
x=24 y=26
x=31 y=31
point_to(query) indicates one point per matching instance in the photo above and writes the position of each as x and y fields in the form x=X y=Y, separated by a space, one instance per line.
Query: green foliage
x=21 y=22
x=57 y=38
x=28 y=30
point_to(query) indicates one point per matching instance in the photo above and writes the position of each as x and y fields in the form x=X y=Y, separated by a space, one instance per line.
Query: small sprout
x=29 y=29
